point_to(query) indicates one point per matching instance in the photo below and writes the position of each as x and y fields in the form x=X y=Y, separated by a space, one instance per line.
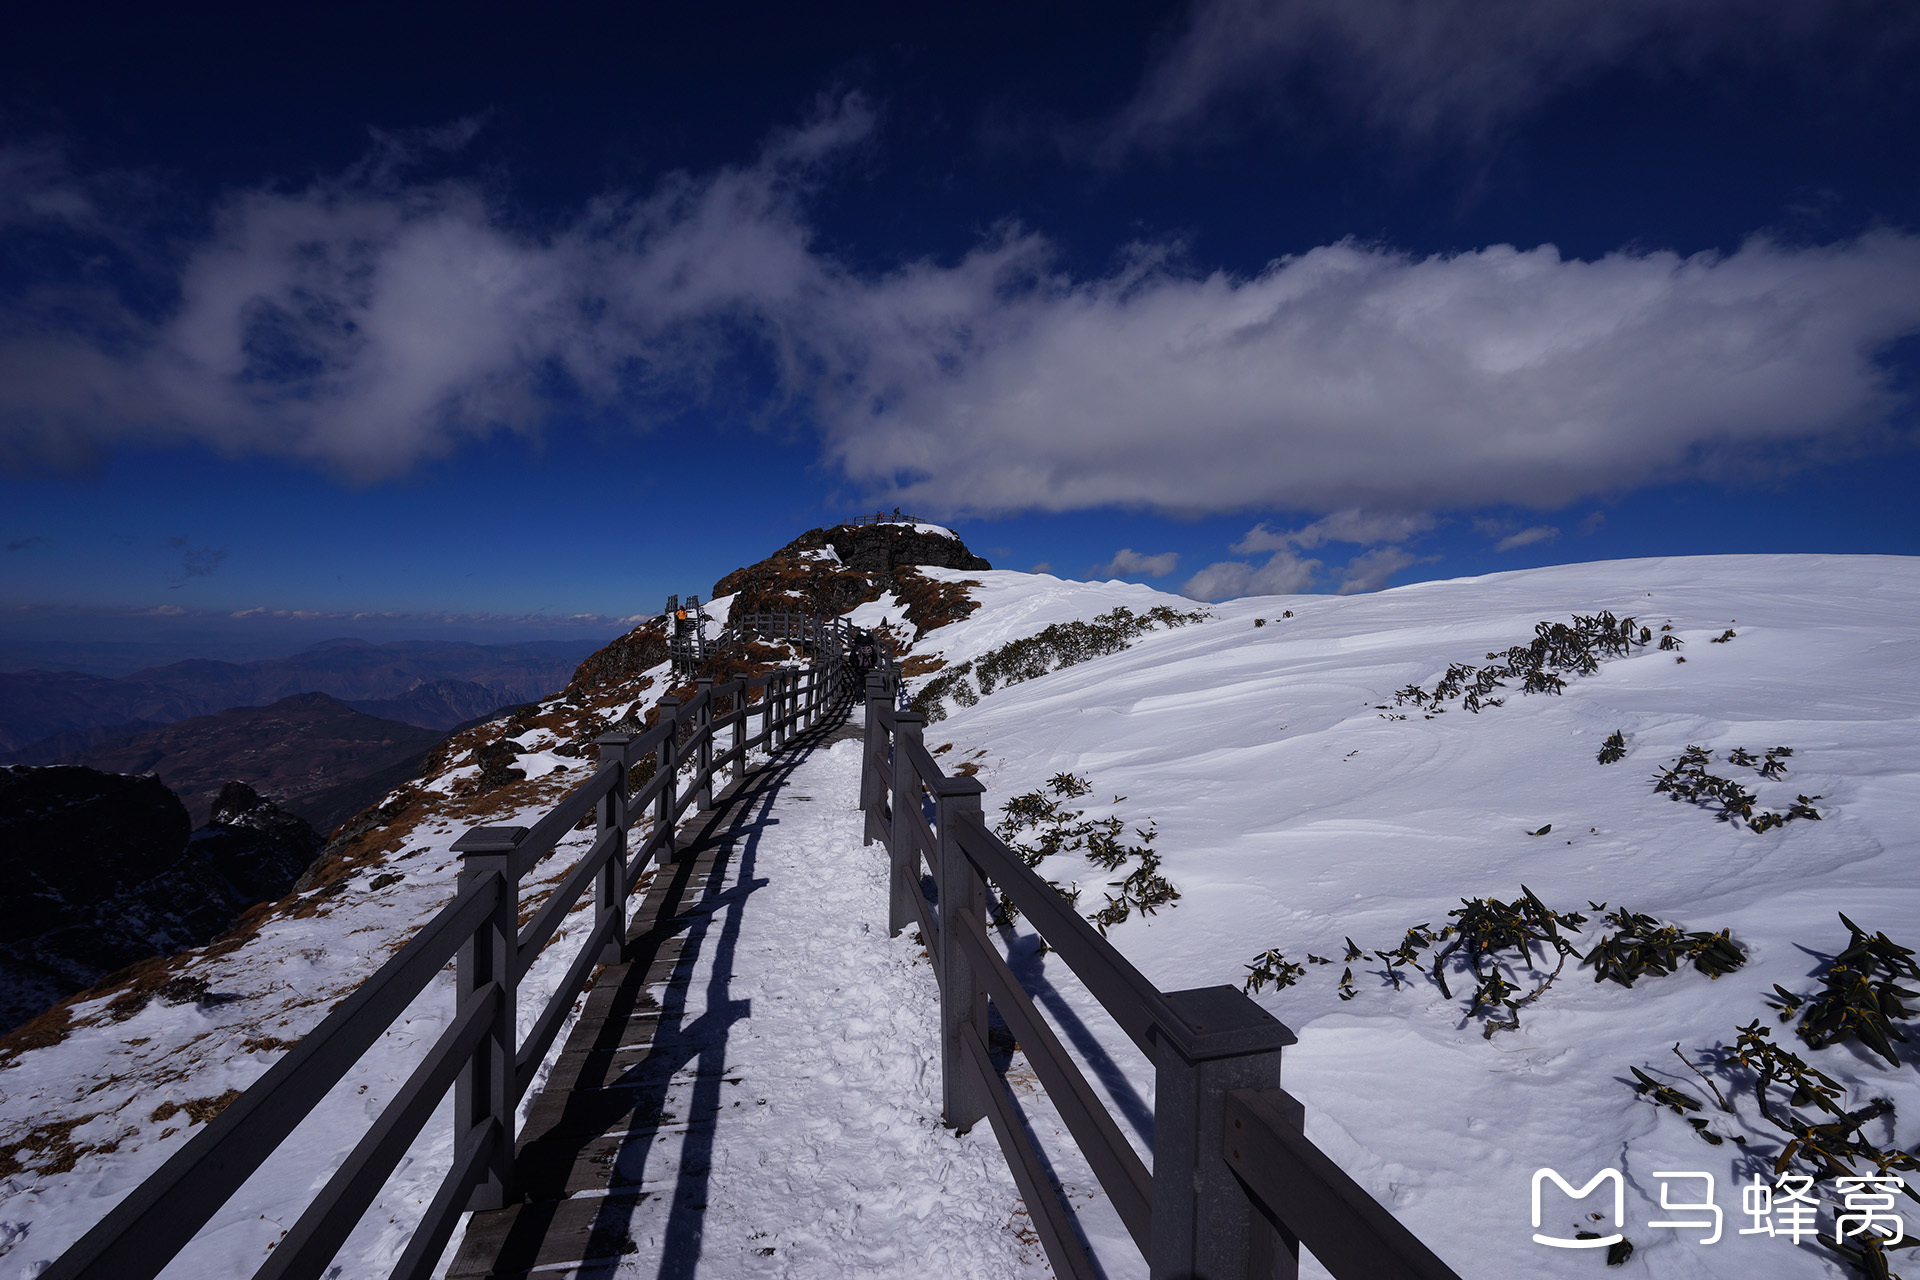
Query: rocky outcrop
x=879 y=549
x=103 y=870
x=496 y=765
x=829 y=571
x=618 y=664
x=255 y=845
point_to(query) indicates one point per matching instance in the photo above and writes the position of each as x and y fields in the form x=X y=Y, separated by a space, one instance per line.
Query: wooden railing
x=1235 y=1188
x=479 y=1055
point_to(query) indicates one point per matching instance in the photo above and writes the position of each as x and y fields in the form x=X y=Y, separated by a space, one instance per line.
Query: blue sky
x=435 y=325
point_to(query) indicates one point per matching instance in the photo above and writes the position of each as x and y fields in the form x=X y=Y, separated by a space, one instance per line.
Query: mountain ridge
x=39 y=705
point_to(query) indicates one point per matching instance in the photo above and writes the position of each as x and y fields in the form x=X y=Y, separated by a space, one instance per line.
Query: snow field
x=1292 y=815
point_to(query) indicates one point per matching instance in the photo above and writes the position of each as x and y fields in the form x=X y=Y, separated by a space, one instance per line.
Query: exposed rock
x=616 y=665
x=496 y=765
x=259 y=848
x=829 y=571
x=103 y=871
x=879 y=549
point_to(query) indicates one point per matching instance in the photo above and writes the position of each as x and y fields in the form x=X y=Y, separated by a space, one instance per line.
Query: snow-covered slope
x=1013 y=605
x=1294 y=813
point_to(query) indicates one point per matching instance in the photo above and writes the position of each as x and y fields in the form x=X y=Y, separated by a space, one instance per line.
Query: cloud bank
x=1460 y=71
x=1286 y=572
x=1127 y=562
x=1354 y=375
x=366 y=324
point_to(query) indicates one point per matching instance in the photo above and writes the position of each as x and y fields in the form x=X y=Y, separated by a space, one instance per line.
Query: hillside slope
x=309 y=753
x=100 y=1090
x=1294 y=809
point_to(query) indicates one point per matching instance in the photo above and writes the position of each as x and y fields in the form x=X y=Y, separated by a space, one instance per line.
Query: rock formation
x=829 y=571
x=102 y=870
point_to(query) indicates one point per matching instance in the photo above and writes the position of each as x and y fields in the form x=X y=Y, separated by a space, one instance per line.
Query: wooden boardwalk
x=612 y=1160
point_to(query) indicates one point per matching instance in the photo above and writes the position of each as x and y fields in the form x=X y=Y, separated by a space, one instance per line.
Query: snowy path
x=777 y=1113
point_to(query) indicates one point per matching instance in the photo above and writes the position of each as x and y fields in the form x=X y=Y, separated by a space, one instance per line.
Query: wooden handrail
x=1221 y=1202
x=477 y=1055
x=141 y=1234
x=1330 y=1214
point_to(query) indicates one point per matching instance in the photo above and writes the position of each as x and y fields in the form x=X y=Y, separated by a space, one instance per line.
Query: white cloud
x=366 y=324
x=1460 y=70
x=1353 y=376
x=1127 y=562
x=36 y=187
x=1370 y=571
x=1351 y=525
x=1528 y=537
x=1283 y=574
x=1222 y=580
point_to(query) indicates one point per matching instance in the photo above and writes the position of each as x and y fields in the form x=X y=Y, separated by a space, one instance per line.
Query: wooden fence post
x=611 y=897
x=484 y=1089
x=963 y=1002
x=703 y=725
x=901 y=851
x=769 y=718
x=740 y=727
x=666 y=760
x=876 y=736
x=1203 y=1223
x=769 y=699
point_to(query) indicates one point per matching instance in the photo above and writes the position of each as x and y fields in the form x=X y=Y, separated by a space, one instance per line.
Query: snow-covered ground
x=135 y=1084
x=815 y=1038
x=1293 y=814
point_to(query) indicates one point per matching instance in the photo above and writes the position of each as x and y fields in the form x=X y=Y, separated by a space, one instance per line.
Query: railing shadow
x=1024 y=957
x=702 y=909
x=700 y=1045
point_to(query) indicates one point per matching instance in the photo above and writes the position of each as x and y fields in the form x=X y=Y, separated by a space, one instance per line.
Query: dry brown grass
x=49 y=1029
x=198 y=1110
x=270 y=1044
x=921 y=664
x=930 y=604
x=47 y=1148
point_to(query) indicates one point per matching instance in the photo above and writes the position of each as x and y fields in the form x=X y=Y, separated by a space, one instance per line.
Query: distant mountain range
x=314 y=756
x=49 y=715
